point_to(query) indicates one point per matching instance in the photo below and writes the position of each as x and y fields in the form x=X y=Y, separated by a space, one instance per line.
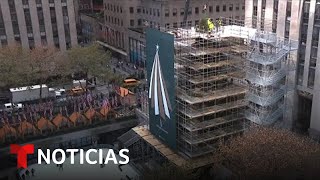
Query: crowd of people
x=24 y=174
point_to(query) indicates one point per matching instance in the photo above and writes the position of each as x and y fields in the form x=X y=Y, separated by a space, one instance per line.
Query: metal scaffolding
x=225 y=78
x=210 y=98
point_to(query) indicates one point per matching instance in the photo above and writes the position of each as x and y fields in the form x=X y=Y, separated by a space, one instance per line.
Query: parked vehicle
x=76 y=91
x=29 y=93
x=130 y=83
x=11 y=106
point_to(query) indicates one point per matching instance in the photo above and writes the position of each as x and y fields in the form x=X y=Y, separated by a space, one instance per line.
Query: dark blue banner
x=160 y=70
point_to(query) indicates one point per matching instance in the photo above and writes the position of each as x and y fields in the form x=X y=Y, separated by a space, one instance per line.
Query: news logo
x=59 y=156
x=22 y=153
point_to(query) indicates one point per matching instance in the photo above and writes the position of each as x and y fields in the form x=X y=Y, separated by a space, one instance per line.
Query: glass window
x=131 y=10
x=166 y=12
x=175 y=25
x=231 y=7
x=182 y=11
x=217 y=8
x=224 y=8
x=196 y=10
x=311 y=77
x=237 y=7
x=131 y=22
x=174 y=12
x=300 y=74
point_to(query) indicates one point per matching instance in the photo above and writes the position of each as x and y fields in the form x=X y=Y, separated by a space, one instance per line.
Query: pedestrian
x=27 y=172
x=33 y=171
x=23 y=177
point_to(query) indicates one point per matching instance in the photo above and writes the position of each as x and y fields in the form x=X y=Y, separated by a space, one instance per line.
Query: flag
x=24 y=116
x=66 y=110
x=74 y=107
x=89 y=97
x=19 y=118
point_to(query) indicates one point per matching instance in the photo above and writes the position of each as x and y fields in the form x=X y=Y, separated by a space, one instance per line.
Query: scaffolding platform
x=211 y=95
x=199 y=112
x=173 y=157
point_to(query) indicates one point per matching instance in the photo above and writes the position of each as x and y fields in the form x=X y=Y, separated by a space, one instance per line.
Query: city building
x=120 y=15
x=34 y=23
x=297 y=20
x=91 y=27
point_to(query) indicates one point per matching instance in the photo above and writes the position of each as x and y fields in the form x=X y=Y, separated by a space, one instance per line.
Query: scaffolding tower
x=226 y=79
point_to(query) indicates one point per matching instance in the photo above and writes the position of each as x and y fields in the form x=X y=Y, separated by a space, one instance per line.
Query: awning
x=112 y=48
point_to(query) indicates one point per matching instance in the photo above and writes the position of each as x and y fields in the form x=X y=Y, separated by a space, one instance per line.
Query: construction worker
x=210 y=25
x=219 y=24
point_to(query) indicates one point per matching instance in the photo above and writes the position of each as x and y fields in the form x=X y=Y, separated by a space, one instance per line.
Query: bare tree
x=269 y=153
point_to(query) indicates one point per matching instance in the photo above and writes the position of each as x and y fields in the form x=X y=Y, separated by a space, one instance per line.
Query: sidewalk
x=124 y=68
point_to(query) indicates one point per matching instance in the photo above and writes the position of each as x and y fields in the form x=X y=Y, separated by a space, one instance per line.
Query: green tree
x=45 y=63
x=91 y=60
x=13 y=61
x=206 y=24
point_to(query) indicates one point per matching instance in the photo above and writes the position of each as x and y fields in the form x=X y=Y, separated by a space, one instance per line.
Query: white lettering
x=100 y=156
x=81 y=156
x=124 y=156
x=88 y=156
x=72 y=154
x=111 y=156
x=54 y=156
x=41 y=155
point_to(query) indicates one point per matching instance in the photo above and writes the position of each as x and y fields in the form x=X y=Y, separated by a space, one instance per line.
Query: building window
x=138 y=10
x=189 y=23
x=158 y=12
x=217 y=8
x=131 y=10
x=174 y=12
x=196 y=10
x=189 y=11
x=196 y=22
x=25 y=2
x=181 y=11
x=166 y=13
x=300 y=74
x=311 y=77
x=4 y=42
x=224 y=8
x=210 y=9
x=231 y=7
x=175 y=25
x=131 y=22
x=237 y=7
